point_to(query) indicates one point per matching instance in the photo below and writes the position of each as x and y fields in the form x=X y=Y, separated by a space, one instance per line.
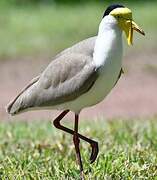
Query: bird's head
x=123 y=15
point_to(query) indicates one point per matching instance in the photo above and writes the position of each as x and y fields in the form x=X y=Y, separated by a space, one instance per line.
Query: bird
x=81 y=76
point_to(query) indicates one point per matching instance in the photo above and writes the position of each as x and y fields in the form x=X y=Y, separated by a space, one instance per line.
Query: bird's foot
x=95 y=150
x=82 y=177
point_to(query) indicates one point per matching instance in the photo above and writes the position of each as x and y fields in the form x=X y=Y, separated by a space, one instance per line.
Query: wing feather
x=70 y=74
x=62 y=82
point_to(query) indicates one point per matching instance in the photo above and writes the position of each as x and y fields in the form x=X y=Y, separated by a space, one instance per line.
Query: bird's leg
x=93 y=143
x=76 y=141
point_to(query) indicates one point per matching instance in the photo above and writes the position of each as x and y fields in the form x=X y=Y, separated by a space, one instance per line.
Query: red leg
x=93 y=143
x=76 y=141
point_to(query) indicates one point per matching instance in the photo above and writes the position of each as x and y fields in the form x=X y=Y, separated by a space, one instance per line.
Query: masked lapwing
x=81 y=76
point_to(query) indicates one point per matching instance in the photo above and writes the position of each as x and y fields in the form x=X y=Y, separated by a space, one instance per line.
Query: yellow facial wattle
x=125 y=22
x=126 y=26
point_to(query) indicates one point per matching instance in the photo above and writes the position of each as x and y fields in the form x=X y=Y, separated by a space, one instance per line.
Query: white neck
x=108 y=42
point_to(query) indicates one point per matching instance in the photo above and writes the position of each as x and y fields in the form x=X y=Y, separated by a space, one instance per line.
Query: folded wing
x=67 y=77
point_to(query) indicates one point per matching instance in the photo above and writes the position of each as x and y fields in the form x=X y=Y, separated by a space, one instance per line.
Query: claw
x=82 y=176
x=95 y=150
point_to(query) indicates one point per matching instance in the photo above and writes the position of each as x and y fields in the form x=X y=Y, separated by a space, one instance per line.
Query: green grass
x=45 y=30
x=35 y=150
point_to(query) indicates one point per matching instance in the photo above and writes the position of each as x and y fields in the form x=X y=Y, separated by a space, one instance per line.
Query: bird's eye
x=118 y=16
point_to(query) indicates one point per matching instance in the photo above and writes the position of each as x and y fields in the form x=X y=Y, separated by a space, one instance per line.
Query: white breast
x=107 y=57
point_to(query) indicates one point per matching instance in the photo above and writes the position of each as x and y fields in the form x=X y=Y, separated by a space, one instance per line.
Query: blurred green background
x=22 y=2
x=37 y=27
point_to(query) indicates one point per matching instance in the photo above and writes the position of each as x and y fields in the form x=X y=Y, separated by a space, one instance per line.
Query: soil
x=135 y=95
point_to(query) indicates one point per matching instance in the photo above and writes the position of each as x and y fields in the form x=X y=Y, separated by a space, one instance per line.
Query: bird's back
x=70 y=74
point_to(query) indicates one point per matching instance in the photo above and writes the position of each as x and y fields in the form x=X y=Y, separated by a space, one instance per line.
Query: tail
x=15 y=106
x=21 y=101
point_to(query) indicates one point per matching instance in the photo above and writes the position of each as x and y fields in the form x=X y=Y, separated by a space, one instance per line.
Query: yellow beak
x=128 y=26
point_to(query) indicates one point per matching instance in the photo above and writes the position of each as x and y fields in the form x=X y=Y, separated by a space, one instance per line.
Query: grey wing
x=75 y=65
x=68 y=75
x=65 y=79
